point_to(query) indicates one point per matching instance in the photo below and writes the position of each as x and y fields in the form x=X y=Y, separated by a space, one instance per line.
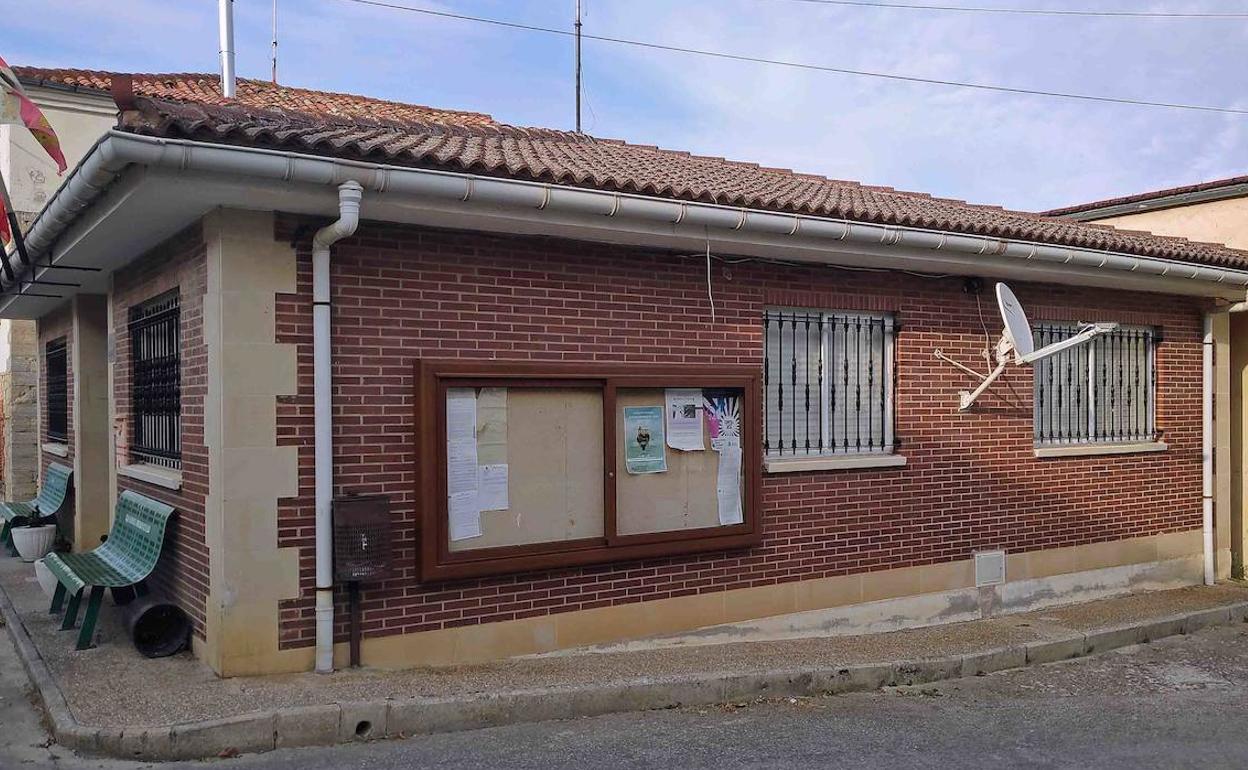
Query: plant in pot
x=34 y=540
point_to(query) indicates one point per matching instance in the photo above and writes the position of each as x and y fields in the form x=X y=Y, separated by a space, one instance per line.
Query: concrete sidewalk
x=111 y=700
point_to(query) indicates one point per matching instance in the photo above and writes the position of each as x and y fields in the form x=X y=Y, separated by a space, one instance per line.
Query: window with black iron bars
x=828 y=380
x=156 y=382
x=56 y=384
x=1102 y=392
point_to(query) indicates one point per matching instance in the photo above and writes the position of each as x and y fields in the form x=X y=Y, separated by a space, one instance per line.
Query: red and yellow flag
x=17 y=109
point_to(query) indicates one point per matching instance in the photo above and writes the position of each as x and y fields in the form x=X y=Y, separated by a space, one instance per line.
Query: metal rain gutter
x=116 y=150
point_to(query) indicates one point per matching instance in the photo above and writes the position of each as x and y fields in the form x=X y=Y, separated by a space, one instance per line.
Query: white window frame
x=826 y=427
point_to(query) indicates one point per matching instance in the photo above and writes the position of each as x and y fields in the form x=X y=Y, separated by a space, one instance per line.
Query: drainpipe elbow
x=349 y=195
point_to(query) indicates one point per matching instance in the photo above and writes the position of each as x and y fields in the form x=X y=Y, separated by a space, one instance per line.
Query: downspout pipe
x=349 y=195
x=1206 y=447
x=1207 y=439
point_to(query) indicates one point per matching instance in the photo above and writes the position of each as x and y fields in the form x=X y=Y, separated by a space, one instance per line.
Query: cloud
x=1021 y=151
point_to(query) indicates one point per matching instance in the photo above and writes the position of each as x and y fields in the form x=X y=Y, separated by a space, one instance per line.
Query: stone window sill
x=1092 y=450
x=55 y=448
x=153 y=474
x=842 y=462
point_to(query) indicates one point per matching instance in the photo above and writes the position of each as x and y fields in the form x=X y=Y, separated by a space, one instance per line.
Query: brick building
x=1215 y=210
x=553 y=265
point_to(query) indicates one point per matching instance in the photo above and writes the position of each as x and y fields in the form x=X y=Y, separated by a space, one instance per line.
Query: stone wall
x=19 y=392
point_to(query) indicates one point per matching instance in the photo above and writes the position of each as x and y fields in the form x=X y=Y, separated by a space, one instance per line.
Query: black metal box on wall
x=363 y=538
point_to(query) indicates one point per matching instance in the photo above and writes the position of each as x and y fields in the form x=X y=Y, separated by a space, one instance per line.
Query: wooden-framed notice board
x=526 y=466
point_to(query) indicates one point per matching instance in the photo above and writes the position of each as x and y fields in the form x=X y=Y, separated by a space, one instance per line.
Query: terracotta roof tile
x=345 y=125
x=206 y=89
x=1145 y=197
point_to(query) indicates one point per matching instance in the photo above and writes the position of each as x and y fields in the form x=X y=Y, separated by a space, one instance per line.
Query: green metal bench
x=125 y=559
x=53 y=493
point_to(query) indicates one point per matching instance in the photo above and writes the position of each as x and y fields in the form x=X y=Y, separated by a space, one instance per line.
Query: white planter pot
x=47 y=581
x=34 y=542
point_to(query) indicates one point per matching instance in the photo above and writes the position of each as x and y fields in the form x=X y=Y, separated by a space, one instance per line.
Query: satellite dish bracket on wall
x=1016 y=343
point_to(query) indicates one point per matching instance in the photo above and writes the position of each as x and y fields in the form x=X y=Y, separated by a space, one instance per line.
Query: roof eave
x=468 y=201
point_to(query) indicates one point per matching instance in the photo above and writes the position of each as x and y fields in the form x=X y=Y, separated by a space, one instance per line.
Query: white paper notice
x=462 y=509
x=492 y=487
x=492 y=426
x=728 y=484
x=461 y=467
x=684 y=419
x=464 y=515
x=461 y=414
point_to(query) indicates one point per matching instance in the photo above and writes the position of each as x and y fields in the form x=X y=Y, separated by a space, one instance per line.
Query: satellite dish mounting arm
x=967 y=398
x=1016 y=340
x=1086 y=334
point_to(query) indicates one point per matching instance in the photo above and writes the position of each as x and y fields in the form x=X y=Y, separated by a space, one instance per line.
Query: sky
x=1022 y=152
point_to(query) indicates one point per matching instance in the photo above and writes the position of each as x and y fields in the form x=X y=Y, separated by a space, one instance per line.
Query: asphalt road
x=1177 y=703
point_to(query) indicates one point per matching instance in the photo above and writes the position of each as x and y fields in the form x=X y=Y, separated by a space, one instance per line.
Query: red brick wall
x=971 y=481
x=178 y=263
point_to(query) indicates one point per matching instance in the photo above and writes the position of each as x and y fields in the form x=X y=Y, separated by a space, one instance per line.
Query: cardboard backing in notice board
x=682 y=498
x=554 y=454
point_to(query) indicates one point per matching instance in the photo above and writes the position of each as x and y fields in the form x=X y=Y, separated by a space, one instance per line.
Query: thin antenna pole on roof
x=225 y=23
x=274 y=49
x=578 y=66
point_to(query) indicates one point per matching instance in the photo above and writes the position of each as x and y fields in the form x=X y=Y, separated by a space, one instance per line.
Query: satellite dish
x=1017 y=330
x=1016 y=340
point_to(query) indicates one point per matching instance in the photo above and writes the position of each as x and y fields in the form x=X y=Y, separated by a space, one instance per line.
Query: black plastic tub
x=158 y=627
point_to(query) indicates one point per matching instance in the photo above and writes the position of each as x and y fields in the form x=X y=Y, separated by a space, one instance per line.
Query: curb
x=337 y=723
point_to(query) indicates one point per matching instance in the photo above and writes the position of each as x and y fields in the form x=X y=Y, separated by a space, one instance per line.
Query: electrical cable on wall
x=792 y=263
x=709 y=296
x=1016 y=400
x=979 y=308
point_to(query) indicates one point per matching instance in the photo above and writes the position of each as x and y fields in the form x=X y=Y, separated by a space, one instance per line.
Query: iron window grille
x=56 y=381
x=156 y=382
x=828 y=382
x=1100 y=392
